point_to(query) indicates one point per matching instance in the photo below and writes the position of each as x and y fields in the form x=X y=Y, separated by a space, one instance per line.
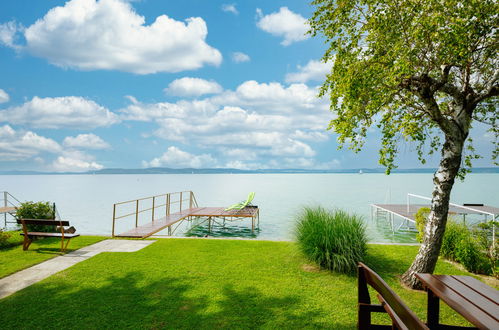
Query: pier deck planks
x=151 y=228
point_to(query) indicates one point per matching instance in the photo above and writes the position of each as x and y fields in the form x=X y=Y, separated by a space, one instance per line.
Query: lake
x=87 y=200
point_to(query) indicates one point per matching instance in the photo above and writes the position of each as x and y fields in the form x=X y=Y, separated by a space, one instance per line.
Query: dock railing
x=8 y=201
x=171 y=202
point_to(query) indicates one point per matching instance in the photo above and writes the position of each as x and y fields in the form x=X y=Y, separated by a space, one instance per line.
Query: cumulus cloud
x=177 y=158
x=8 y=33
x=284 y=23
x=230 y=8
x=239 y=57
x=86 y=141
x=4 y=97
x=59 y=112
x=23 y=145
x=110 y=35
x=188 y=87
x=75 y=161
x=254 y=121
x=313 y=70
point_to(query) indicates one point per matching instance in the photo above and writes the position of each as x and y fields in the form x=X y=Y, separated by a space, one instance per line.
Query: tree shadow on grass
x=386 y=266
x=133 y=301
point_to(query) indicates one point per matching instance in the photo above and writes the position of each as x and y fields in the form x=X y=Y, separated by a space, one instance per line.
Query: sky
x=87 y=84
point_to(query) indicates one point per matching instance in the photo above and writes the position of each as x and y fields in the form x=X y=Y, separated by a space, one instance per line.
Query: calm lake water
x=87 y=200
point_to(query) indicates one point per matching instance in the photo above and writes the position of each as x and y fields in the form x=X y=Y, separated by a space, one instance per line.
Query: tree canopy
x=404 y=64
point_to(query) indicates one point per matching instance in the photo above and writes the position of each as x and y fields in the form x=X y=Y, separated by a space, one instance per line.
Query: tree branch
x=491 y=90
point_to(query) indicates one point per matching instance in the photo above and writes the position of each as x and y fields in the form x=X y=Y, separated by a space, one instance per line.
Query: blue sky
x=88 y=84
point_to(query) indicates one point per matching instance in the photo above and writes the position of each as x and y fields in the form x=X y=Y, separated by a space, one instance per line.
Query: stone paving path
x=28 y=276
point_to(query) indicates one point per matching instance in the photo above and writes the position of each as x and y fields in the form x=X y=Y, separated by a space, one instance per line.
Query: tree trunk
x=443 y=181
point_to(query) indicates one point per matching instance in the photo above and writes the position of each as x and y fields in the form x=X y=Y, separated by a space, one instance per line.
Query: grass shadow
x=134 y=301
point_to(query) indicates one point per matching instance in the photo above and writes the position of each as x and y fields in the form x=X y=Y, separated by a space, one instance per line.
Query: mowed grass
x=196 y=283
x=13 y=258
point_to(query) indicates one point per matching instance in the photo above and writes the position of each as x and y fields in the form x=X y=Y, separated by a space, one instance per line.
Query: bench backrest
x=40 y=222
x=400 y=313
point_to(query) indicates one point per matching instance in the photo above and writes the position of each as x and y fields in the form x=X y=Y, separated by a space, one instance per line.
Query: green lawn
x=14 y=258
x=184 y=283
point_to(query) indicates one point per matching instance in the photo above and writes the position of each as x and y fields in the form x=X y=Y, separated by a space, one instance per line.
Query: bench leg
x=26 y=243
x=64 y=247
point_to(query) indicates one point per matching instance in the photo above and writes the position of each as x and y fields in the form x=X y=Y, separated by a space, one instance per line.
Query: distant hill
x=166 y=170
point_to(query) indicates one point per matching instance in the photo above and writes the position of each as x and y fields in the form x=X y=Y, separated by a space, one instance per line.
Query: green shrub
x=333 y=239
x=454 y=234
x=468 y=248
x=468 y=253
x=38 y=210
x=483 y=233
x=4 y=238
x=421 y=217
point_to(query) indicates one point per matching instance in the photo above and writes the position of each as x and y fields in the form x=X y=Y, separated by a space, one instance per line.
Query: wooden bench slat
x=404 y=314
x=471 y=295
x=471 y=312
x=478 y=286
x=44 y=234
x=42 y=222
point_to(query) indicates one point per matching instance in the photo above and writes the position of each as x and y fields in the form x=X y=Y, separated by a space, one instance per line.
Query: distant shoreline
x=161 y=170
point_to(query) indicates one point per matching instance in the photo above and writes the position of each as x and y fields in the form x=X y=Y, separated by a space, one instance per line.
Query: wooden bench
x=402 y=317
x=29 y=236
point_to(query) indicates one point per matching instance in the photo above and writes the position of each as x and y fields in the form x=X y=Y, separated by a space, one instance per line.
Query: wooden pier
x=167 y=211
x=408 y=211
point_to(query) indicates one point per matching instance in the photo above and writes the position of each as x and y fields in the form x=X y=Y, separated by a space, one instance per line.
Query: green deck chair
x=241 y=205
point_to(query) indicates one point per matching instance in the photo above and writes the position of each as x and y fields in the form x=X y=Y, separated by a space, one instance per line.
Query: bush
x=38 y=210
x=4 y=238
x=471 y=257
x=454 y=234
x=468 y=248
x=333 y=239
x=421 y=217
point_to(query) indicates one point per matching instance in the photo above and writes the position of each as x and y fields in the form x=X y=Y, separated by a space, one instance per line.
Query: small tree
x=422 y=71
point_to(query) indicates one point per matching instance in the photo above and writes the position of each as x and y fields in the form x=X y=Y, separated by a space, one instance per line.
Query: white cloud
x=23 y=145
x=176 y=158
x=146 y=112
x=253 y=122
x=87 y=141
x=74 y=161
x=313 y=70
x=188 y=86
x=4 y=97
x=59 y=112
x=8 y=33
x=230 y=8
x=310 y=135
x=110 y=35
x=284 y=23
x=239 y=57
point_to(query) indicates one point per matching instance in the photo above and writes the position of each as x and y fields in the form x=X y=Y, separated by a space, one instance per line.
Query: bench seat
x=44 y=234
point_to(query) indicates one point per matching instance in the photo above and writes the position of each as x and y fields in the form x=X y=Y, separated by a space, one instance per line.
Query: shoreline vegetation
x=182 y=283
x=165 y=170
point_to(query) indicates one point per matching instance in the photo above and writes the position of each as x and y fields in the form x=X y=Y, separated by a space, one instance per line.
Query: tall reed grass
x=334 y=239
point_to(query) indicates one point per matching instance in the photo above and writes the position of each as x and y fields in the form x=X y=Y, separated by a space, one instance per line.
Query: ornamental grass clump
x=335 y=239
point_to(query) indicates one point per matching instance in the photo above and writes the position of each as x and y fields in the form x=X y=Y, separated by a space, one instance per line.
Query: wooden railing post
x=190 y=200
x=114 y=218
x=168 y=205
x=137 y=214
x=180 y=202
x=152 y=215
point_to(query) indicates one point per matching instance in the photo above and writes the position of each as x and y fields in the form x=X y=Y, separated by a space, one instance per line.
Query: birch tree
x=423 y=72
